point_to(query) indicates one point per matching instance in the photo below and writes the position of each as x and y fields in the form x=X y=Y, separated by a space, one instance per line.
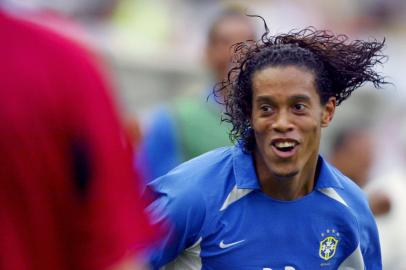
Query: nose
x=282 y=122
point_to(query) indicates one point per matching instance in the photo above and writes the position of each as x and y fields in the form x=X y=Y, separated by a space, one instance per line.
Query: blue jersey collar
x=246 y=177
x=328 y=175
x=244 y=169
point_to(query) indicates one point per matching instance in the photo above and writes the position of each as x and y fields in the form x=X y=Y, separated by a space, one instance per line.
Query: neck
x=289 y=187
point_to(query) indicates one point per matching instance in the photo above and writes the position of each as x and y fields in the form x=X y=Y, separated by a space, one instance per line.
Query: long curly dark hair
x=340 y=66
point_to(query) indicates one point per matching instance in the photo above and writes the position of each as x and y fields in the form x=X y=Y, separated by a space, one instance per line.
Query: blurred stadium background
x=155 y=48
x=155 y=52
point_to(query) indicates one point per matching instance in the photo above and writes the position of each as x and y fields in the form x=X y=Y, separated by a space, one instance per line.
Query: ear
x=328 y=112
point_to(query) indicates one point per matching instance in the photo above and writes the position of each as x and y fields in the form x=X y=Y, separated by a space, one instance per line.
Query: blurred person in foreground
x=69 y=197
x=352 y=153
x=271 y=201
x=191 y=126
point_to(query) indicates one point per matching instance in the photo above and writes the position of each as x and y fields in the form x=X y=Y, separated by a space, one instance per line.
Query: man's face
x=229 y=31
x=287 y=118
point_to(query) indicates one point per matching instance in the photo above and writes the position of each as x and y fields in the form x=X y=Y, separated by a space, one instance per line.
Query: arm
x=369 y=241
x=183 y=211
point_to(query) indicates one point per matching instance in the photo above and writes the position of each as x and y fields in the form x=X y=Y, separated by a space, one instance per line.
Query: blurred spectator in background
x=352 y=154
x=391 y=179
x=189 y=127
x=68 y=195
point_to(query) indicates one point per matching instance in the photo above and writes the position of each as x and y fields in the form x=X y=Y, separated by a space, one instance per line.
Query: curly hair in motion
x=339 y=66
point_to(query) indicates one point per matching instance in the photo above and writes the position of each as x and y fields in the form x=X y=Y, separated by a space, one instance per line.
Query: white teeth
x=284 y=144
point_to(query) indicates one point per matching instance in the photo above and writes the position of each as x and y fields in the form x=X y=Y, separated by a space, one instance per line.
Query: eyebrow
x=269 y=99
x=300 y=97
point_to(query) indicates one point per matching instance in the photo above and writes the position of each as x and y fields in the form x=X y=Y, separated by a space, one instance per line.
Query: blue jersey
x=222 y=220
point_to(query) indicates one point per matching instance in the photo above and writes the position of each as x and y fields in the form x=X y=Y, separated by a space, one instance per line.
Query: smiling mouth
x=284 y=148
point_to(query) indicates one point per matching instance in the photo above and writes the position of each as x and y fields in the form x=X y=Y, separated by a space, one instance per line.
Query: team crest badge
x=328 y=245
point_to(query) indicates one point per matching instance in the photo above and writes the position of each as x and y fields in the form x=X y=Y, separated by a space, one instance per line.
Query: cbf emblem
x=328 y=245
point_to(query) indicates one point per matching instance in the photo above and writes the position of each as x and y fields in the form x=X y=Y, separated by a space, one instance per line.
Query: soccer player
x=68 y=194
x=271 y=201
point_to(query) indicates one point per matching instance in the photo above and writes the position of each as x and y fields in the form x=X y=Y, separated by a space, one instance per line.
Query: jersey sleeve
x=182 y=212
x=369 y=238
x=368 y=231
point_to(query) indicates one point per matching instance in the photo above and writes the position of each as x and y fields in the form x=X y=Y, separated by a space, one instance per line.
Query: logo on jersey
x=328 y=245
x=223 y=245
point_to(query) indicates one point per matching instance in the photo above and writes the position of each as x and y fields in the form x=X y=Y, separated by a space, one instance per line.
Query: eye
x=299 y=107
x=266 y=108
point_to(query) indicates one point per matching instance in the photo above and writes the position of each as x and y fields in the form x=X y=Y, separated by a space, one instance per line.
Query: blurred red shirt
x=68 y=194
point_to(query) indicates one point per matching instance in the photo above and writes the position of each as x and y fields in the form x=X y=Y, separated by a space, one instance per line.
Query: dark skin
x=287 y=118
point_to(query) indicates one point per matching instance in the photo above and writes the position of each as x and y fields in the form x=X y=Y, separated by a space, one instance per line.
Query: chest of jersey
x=260 y=233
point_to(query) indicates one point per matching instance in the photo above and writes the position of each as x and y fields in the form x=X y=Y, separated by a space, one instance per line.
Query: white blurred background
x=155 y=48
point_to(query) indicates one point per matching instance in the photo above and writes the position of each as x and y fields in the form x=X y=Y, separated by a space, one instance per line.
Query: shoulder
x=197 y=175
x=357 y=203
x=338 y=186
x=48 y=43
x=341 y=188
x=353 y=195
x=189 y=193
x=52 y=62
x=198 y=184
